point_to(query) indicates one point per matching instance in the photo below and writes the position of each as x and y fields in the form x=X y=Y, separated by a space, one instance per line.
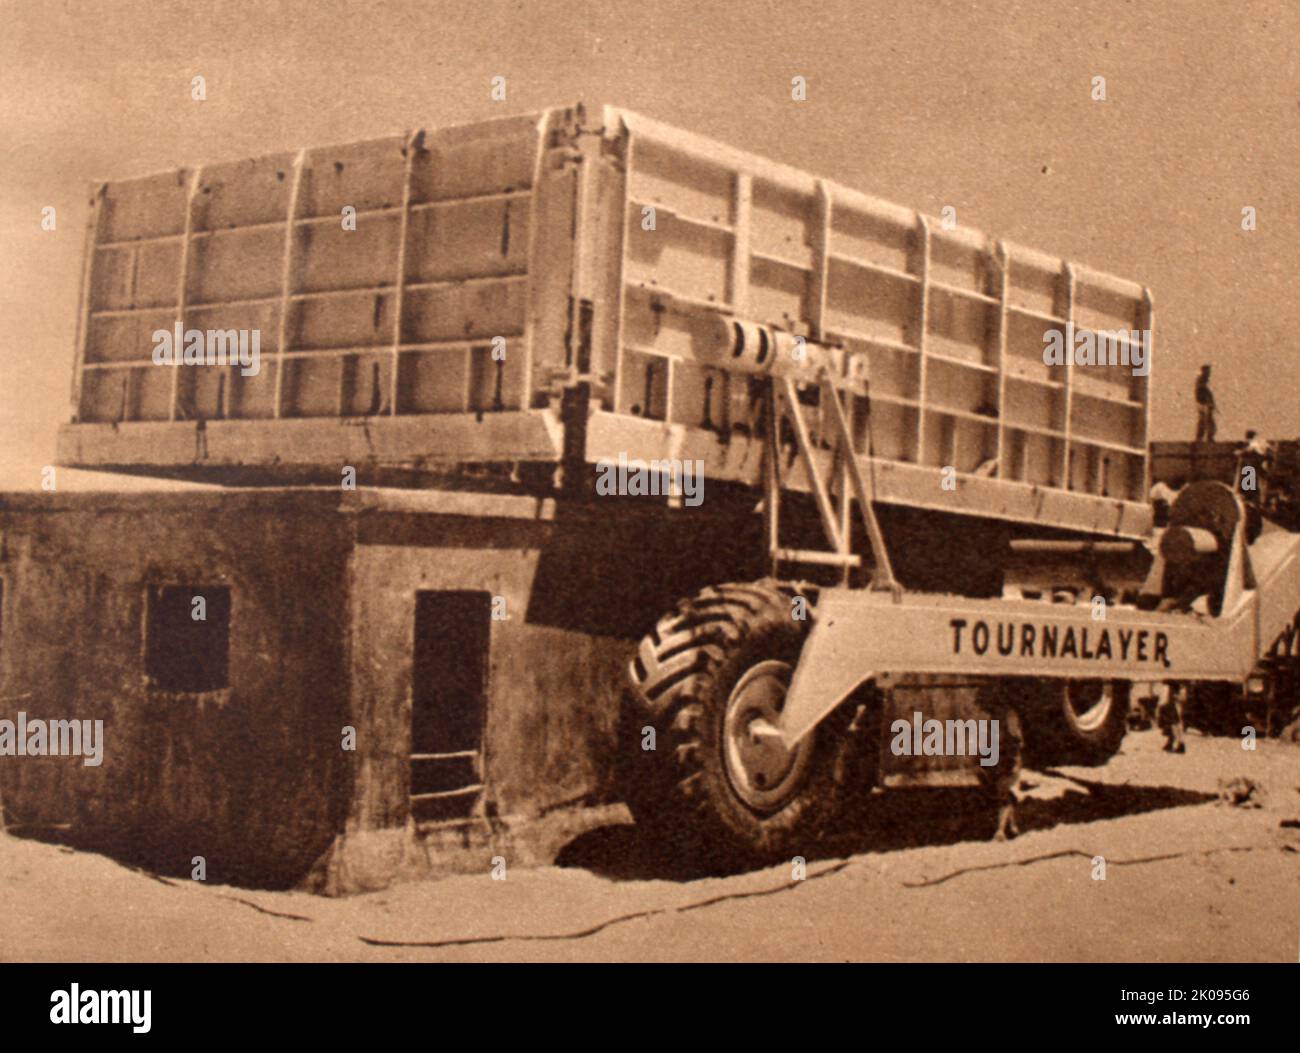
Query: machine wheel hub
x=1090 y=703
x=762 y=771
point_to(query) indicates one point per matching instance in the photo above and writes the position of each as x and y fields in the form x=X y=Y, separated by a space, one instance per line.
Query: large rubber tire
x=701 y=679
x=1215 y=709
x=1076 y=722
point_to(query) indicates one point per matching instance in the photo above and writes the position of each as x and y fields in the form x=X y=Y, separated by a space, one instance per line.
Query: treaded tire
x=1057 y=733
x=681 y=684
x=1215 y=708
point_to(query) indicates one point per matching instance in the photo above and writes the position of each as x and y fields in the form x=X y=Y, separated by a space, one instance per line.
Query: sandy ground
x=1189 y=877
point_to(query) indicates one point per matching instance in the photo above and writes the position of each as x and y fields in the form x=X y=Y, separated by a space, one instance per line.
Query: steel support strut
x=783 y=402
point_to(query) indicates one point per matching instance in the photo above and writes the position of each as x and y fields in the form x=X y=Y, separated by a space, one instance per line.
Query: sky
x=983 y=106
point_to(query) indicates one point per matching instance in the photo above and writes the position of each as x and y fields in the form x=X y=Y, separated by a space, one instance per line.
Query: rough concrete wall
x=579 y=589
x=251 y=777
x=549 y=705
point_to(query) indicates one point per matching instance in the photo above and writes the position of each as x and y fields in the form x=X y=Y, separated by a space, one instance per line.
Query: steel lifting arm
x=784 y=360
x=883 y=574
x=786 y=399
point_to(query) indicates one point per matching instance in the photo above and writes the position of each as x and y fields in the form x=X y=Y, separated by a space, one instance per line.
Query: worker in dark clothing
x=1253 y=462
x=1204 y=407
x=1172 y=700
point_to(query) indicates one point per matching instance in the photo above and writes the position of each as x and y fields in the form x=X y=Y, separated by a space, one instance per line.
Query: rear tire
x=1077 y=722
x=720 y=785
x=1215 y=708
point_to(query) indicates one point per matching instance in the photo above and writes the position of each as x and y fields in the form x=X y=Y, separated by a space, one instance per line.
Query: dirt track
x=1188 y=878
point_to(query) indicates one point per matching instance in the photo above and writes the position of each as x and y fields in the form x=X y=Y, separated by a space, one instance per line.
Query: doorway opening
x=453 y=638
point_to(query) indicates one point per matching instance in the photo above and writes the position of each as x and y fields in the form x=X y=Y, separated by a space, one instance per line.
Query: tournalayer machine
x=520 y=300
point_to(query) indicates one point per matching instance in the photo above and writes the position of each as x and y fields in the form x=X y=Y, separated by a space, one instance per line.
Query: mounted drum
x=1197 y=545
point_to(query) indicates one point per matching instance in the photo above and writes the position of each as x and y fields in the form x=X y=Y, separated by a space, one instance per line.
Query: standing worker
x=1171 y=701
x=1256 y=455
x=1204 y=407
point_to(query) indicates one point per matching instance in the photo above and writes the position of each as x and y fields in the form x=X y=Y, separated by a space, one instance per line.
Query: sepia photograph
x=649 y=482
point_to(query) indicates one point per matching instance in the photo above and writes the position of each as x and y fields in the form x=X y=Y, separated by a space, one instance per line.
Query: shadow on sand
x=894 y=820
